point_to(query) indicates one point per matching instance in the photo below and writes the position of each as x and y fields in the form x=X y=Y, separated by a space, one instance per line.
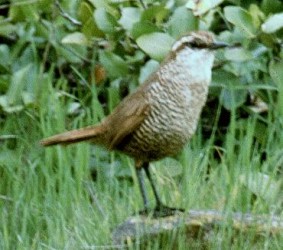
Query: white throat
x=197 y=63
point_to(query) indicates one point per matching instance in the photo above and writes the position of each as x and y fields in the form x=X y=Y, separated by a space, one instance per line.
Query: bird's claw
x=161 y=211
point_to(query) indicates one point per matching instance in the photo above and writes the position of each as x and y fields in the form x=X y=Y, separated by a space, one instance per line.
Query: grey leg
x=148 y=174
x=142 y=188
x=160 y=209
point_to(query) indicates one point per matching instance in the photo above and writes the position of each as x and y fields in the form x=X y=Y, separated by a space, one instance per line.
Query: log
x=195 y=224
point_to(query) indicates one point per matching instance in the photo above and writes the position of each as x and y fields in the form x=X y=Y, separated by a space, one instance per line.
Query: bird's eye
x=190 y=44
x=194 y=44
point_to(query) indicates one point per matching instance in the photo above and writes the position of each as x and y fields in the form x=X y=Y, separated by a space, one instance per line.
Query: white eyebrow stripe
x=178 y=43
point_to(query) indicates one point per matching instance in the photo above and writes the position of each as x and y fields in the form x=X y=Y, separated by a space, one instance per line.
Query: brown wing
x=127 y=116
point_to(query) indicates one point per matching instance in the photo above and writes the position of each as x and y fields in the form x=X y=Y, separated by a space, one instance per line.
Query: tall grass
x=73 y=197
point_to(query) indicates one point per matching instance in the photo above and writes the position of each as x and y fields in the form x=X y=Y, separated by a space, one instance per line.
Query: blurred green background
x=67 y=64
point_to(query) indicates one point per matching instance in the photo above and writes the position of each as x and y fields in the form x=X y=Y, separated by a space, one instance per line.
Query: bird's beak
x=219 y=45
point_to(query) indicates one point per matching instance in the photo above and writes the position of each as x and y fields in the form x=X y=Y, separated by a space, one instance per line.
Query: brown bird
x=160 y=117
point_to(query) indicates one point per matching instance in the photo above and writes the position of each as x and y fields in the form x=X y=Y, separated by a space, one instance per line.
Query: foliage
x=64 y=64
x=111 y=41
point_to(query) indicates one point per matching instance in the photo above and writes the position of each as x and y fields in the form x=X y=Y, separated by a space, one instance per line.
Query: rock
x=195 y=224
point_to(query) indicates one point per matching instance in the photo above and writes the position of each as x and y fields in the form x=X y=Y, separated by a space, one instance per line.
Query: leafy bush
x=117 y=44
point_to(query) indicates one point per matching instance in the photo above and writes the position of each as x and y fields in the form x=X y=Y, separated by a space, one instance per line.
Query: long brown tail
x=73 y=136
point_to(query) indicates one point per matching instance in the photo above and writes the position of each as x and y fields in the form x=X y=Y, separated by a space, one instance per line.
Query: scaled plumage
x=160 y=117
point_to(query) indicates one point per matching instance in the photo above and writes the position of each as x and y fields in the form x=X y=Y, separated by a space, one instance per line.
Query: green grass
x=50 y=201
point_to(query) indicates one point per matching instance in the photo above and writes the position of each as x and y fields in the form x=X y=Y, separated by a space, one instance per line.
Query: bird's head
x=194 y=53
x=198 y=40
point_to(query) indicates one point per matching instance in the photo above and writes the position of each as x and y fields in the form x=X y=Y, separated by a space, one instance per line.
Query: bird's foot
x=164 y=211
x=161 y=211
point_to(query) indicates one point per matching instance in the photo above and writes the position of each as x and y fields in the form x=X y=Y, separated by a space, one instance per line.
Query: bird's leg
x=160 y=209
x=145 y=166
x=142 y=190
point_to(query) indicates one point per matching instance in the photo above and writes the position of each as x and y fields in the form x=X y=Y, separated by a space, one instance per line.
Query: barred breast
x=175 y=106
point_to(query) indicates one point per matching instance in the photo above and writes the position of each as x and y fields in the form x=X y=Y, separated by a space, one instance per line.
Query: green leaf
x=202 y=6
x=18 y=83
x=27 y=98
x=224 y=79
x=73 y=108
x=206 y=22
x=105 y=4
x=276 y=73
x=23 y=12
x=155 y=13
x=5 y=81
x=181 y=22
x=142 y=28
x=156 y=44
x=257 y=15
x=150 y=67
x=99 y=3
x=114 y=64
x=262 y=186
x=85 y=12
x=129 y=17
x=232 y=94
x=7 y=28
x=113 y=95
x=105 y=21
x=7 y=107
x=271 y=6
x=169 y=167
x=241 y=19
x=273 y=23
x=89 y=28
x=4 y=56
x=238 y=54
x=75 y=38
x=68 y=54
x=232 y=98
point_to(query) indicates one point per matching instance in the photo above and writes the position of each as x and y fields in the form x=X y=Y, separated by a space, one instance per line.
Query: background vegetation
x=67 y=64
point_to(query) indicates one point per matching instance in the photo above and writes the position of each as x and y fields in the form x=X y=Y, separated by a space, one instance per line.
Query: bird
x=160 y=117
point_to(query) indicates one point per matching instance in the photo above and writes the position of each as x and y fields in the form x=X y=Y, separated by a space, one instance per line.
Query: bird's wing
x=127 y=116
